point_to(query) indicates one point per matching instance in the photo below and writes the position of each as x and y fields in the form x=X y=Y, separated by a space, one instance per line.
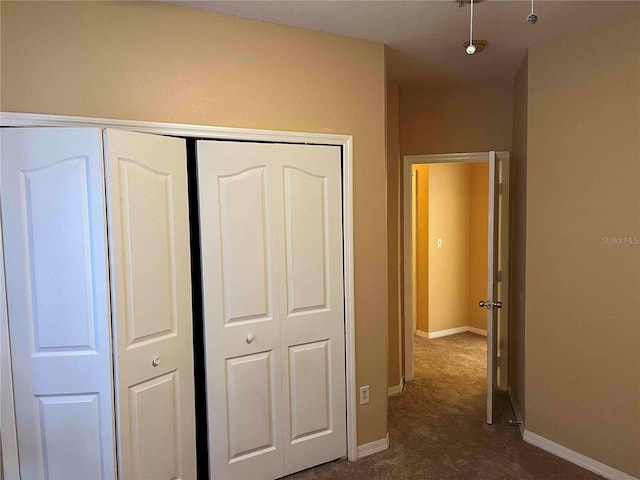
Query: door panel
x=151 y=281
x=145 y=205
x=271 y=226
x=155 y=427
x=70 y=433
x=310 y=390
x=251 y=405
x=247 y=291
x=52 y=189
x=305 y=220
x=312 y=332
x=238 y=223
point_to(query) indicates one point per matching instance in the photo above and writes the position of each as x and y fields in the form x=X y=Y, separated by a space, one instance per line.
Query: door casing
x=11 y=119
x=408 y=258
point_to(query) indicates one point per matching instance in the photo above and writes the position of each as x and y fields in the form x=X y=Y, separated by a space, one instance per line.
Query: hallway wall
x=583 y=243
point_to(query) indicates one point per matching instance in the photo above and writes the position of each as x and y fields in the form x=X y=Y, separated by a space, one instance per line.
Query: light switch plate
x=364 y=395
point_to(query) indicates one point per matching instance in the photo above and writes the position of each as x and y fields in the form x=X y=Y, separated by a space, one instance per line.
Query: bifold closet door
x=271 y=228
x=53 y=220
x=151 y=298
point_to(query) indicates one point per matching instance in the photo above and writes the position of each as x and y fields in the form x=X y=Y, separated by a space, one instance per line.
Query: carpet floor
x=437 y=427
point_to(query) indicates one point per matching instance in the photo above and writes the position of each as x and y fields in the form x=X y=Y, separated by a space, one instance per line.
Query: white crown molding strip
x=396 y=389
x=373 y=447
x=575 y=457
x=516 y=410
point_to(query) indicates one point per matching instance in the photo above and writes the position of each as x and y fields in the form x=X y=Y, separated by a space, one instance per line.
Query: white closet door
x=151 y=283
x=241 y=268
x=53 y=215
x=272 y=283
x=312 y=320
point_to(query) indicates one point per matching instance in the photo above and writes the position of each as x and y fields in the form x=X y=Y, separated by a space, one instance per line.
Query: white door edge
x=13 y=119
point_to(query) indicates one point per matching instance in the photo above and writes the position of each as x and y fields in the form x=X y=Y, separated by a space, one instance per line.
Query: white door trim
x=408 y=161
x=11 y=119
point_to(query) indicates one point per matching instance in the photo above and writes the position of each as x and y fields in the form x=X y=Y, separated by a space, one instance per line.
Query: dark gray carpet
x=437 y=427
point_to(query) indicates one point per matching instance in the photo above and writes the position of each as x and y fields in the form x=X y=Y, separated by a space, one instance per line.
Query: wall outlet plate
x=364 y=395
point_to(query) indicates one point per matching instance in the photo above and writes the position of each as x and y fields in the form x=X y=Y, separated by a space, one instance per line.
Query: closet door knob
x=155 y=362
x=250 y=338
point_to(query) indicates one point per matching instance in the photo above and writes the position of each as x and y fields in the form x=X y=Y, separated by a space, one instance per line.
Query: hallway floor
x=437 y=427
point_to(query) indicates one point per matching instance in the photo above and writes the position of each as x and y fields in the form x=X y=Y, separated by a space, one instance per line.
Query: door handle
x=250 y=338
x=489 y=305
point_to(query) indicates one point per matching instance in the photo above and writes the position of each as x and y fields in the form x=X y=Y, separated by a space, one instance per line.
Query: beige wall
x=478 y=242
x=422 y=246
x=393 y=231
x=452 y=120
x=449 y=265
x=159 y=62
x=583 y=294
x=517 y=241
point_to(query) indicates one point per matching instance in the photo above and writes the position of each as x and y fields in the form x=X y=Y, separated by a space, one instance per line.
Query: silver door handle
x=250 y=338
x=489 y=305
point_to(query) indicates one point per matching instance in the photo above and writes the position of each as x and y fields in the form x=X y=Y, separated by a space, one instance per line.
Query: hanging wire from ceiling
x=471 y=49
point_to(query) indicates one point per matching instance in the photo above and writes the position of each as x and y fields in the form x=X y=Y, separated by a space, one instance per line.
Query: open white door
x=271 y=227
x=492 y=304
x=53 y=216
x=151 y=284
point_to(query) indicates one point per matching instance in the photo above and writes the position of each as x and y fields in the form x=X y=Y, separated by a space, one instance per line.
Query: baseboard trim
x=447 y=332
x=396 y=389
x=478 y=331
x=373 y=447
x=450 y=331
x=575 y=457
x=516 y=410
x=420 y=333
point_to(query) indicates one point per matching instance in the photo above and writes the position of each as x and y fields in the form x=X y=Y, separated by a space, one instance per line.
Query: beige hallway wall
x=517 y=240
x=393 y=232
x=478 y=241
x=448 y=265
x=582 y=238
x=159 y=62
x=422 y=247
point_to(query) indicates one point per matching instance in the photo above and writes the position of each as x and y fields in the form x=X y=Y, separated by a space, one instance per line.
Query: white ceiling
x=426 y=38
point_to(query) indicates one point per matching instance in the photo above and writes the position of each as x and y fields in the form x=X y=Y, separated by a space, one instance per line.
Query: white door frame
x=10 y=119
x=408 y=161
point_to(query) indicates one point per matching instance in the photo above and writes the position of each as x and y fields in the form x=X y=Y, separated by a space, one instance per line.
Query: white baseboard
x=447 y=332
x=420 y=333
x=450 y=331
x=373 y=447
x=516 y=410
x=396 y=389
x=478 y=331
x=575 y=457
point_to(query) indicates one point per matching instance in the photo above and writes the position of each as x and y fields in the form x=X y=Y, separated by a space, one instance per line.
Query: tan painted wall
x=478 y=241
x=422 y=247
x=159 y=62
x=517 y=240
x=449 y=265
x=393 y=231
x=583 y=294
x=452 y=120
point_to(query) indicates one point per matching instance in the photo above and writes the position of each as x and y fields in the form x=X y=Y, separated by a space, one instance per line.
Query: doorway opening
x=455 y=255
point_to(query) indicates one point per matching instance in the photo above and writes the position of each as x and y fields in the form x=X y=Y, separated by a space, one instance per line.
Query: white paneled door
x=151 y=298
x=53 y=215
x=271 y=227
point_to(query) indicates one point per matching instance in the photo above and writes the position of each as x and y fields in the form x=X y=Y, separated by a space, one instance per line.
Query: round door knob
x=250 y=338
x=155 y=362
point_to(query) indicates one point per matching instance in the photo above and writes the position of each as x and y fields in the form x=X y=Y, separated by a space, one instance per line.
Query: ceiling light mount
x=478 y=46
x=532 y=17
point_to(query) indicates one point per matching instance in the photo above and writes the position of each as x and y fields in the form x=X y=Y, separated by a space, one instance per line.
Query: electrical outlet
x=364 y=395
x=439 y=243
